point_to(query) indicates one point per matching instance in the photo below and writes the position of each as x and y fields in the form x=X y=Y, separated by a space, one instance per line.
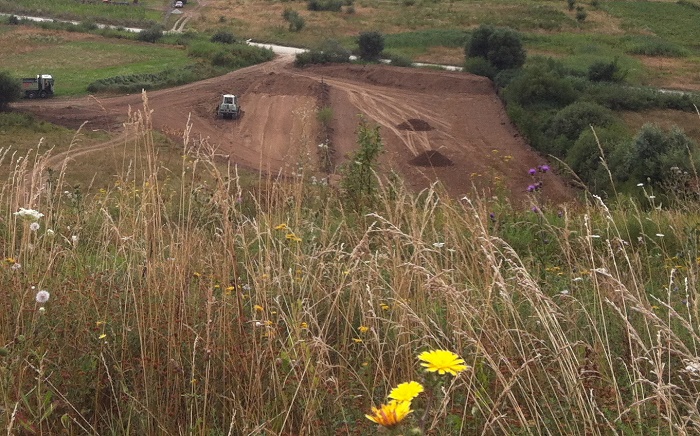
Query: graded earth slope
x=435 y=125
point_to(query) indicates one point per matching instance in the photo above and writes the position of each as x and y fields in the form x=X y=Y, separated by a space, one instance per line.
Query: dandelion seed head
x=42 y=296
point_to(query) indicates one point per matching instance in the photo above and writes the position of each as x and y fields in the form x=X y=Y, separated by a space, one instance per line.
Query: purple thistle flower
x=532 y=171
x=544 y=168
x=535 y=209
x=492 y=216
x=531 y=188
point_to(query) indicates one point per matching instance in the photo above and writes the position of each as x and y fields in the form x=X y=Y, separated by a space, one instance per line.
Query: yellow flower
x=442 y=361
x=363 y=329
x=102 y=336
x=304 y=325
x=292 y=237
x=196 y=274
x=282 y=226
x=10 y=260
x=384 y=306
x=388 y=415
x=357 y=340
x=406 y=391
x=258 y=308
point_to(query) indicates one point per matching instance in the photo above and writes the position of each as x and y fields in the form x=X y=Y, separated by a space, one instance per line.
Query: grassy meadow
x=184 y=301
x=162 y=292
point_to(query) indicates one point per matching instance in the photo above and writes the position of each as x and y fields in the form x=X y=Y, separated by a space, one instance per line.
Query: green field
x=146 y=12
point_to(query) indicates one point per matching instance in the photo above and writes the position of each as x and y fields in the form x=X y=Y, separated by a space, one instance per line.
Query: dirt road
x=435 y=125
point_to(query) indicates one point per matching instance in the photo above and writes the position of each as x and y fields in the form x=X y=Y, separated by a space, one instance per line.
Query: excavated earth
x=435 y=125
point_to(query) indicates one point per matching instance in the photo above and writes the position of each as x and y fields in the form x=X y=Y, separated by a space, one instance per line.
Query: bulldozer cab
x=229 y=99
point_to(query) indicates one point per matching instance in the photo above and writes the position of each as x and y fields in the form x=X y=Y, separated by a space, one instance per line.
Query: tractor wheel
x=43 y=94
x=31 y=94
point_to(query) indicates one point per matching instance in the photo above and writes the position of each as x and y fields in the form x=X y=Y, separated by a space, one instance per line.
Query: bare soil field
x=435 y=125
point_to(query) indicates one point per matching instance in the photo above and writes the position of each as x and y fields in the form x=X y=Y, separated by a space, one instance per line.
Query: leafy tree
x=9 y=89
x=478 y=45
x=501 y=47
x=506 y=49
x=371 y=45
x=577 y=117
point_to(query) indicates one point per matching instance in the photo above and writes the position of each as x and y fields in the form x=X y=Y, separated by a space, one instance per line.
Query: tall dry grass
x=186 y=304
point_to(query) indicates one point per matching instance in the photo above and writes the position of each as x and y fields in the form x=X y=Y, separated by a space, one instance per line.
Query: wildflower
x=357 y=340
x=384 y=306
x=29 y=214
x=390 y=414
x=442 y=361
x=197 y=274
x=292 y=237
x=532 y=171
x=15 y=266
x=304 y=325
x=34 y=226
x=282 y=226
x=102 y=336
x=535 y=209
x=492 y=216
x=42 y=296
x=229 y=289
x=74 y=239
x=544 y=168
x=50 y=232
x=258 y=308
x=363 y=329
x=531 y=188
x=406 y=391
x=10 y=260
x=439 y=244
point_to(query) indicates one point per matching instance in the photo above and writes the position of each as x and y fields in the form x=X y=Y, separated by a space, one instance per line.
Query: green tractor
x=229 y=107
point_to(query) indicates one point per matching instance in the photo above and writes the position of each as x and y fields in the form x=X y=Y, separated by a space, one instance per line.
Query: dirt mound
x=431 y=158
x=415 y=125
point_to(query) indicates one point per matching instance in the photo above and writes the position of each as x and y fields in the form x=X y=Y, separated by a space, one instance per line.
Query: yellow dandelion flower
x=229 y=289
x=304 y=325
x=10 y=260
x=363 y=329
x=390 y=414
x=282 y=226
x=197 y=275
x=442 y=361
x=292 y=237
x=357 y=340
x=384 y=306
x=258 y=308
x=102 y=336
x=406 y=391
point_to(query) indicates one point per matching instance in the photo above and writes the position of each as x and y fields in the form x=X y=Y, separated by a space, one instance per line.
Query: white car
x=178 y=4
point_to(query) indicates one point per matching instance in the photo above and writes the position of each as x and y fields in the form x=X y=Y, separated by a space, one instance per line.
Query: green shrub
x=577 y=117
x=581 y=14
x=398 y=60
x=296 y=22
x=10 y=89
x=151 y=35
x=13 y=20
x=502 y=47
x=584 y=157
x=654 y=152
x=540 y=86
x=605 y=72
x=223 y=37
x=330 y=51
x=648 y=45
x=481 y=67
x=371 y=45
x=324 y=5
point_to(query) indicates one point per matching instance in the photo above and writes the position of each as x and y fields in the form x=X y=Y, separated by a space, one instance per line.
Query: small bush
x=324 y=5
x=296 y=22
x=330 y=51
x=605 y=72
x=371 y=45
x=581 y=14
x=480 y=67
x=223 y=37
x=151 y=35
x=577 y=117
x=540 y=86
x=502 y=47
x=13 y=20
x=398 y=60
x=571 y=4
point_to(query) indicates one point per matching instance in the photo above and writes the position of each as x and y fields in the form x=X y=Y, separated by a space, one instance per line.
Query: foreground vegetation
x=169 y=305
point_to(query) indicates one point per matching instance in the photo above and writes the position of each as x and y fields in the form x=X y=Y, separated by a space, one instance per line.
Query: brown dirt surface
x=458 y=132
